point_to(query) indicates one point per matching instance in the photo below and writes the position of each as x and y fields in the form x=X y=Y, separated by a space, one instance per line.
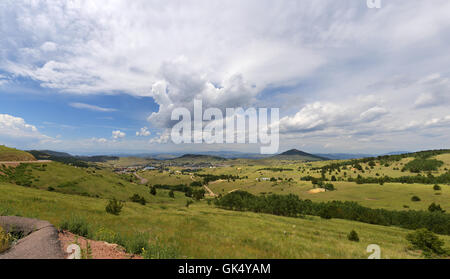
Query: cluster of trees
x=420 y=164
x=429 y=179
x=382 y=159
x=275 y=169
x=191 y=192
x=211 y=177
x=292 y=206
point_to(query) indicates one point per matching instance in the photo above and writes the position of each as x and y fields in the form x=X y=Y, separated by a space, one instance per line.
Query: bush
x=329 y=187
x=353 y=236
x=114 y=207
x=5 y=240
x=138 y=199
x=325 y=213
x=435 y=208
x=427 y=241
x=198 y=194
x=437 y=187
x=189 y=202
x=76 y=225
x=415 y=199
x=153 y=190
x=172 y=194
x=196 y=184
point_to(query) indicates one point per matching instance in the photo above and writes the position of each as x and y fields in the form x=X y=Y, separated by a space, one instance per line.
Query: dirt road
x=211 y=193
x=143 y=180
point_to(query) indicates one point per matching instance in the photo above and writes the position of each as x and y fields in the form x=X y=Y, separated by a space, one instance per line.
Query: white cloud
x=311 y=58
x=49 y=46
x=118 y=134
x=161 y=138
x=14 y=131
x=91 y=107
x=144 y=132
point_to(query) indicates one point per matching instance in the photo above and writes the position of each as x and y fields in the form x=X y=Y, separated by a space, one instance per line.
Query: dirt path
x=97 y=249
x=143 y=180
x=211 y=193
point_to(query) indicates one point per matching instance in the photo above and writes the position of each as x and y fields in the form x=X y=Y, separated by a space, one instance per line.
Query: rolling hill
x=297 y=155
x=12 y=154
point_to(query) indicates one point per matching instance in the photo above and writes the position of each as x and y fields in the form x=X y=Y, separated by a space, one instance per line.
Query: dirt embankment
x=92 y=249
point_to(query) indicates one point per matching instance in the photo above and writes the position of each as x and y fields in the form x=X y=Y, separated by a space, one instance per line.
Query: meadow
x=188 y=228
x=204 y=231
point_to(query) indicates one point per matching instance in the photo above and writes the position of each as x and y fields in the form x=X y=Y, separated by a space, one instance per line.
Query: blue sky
x=91 y=78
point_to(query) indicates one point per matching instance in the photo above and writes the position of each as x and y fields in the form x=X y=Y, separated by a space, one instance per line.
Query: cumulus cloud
x=48 y=46
x=99 y=140
x=144 y=132
x=91 y=107
x=311 y=58
x=15 y=131
x=320 y=116
x=118 y=134
x=161 y=138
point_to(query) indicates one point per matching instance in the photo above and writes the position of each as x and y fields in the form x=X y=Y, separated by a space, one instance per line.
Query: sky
x=90 y=77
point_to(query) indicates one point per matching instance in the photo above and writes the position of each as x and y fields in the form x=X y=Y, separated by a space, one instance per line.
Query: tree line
x=292 y=206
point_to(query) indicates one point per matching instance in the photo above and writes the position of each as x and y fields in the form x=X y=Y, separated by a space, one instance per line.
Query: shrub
x=5 y=240
x=196 y=184
x=353 y=236
x=437 y=187
x=198 y=194
x=153 y=190
x=50 y=188
x=138 y=199
x=435 y=208
x=415 y=199
x=427 y=241
x=189 y=202
x=77 y=225
x=114 y=207
x=172 y=194
x=329 y=187
x=325 y=213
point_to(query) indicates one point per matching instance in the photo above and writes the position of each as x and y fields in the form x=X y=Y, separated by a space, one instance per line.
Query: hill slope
x=295 y=154
x=186 y=229
x=12 y=154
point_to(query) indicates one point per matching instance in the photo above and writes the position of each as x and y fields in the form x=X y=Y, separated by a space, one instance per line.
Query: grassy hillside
x=67 y=179
x=12 y=154
x=288 y=180
x=203 y=231
x=57 y=192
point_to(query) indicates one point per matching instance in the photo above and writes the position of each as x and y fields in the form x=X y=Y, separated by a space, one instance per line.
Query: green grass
x=82 y=181
x=203 y=231
x=12 y=154
x=393 y=196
